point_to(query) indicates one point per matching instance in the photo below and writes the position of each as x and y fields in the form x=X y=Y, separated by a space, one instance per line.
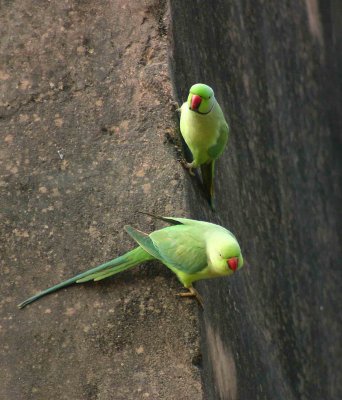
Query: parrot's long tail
x=207 y=171
x=126 y=261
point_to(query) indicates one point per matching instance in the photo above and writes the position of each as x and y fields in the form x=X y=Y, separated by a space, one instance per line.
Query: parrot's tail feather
x=165 y=219
x=126 y=261
x=109 y=272
x=207 y=171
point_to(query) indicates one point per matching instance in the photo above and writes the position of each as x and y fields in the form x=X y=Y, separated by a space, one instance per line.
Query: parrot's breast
x=201 y=131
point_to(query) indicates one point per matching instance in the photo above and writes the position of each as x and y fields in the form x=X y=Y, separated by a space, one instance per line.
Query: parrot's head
x=201 y=98
x=226 y=254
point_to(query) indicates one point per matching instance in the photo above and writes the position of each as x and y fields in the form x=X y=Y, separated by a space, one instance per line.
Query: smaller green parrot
x=205 y=131
x=192 y=249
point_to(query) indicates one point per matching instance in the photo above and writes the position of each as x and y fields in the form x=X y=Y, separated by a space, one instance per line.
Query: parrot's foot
x=175 y=105
x=193 y=293
x=189 y=167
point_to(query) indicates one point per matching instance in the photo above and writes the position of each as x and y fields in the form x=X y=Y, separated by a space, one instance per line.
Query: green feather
x=202 y=90
x=216 y=150
x=207 y=172
x=182 y=247
x=144 y=240
x=192 y=249
x=205 y=131
x=119 y=264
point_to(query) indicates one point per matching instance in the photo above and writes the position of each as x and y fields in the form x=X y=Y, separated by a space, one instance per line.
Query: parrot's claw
x=175 y=105
x=189 y=167
x=191 y=172
x=193 y=293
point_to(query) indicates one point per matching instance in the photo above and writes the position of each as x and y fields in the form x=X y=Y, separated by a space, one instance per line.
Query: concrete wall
x=87 y=132
x=273 y=331
x=85 y=109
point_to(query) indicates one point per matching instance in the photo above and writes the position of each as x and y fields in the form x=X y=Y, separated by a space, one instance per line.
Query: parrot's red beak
x=195 y=102
x=233 y=263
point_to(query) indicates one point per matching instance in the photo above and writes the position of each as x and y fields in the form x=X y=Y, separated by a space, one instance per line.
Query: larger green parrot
x=205 y=131
x=192 y=249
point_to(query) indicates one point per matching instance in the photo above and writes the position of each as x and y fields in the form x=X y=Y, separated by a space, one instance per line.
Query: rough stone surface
x=85 y=117
x=273 y=331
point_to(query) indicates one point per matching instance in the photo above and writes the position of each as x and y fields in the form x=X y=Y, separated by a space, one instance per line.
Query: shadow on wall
x=272 y=331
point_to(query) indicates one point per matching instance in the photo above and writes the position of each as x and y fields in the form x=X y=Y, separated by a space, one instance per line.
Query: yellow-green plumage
x=192 y=249
x=205 y=131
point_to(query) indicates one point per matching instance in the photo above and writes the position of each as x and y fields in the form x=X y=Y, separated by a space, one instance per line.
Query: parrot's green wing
x=143 y=240
x=176 y=247
x=170 y=220
x=216 y=150
x=181 y=247
x=207 y=170
x=173 y=220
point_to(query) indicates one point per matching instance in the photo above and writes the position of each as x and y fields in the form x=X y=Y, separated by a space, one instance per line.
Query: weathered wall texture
x=274 y=330
x=84 y=118
x=85 y=109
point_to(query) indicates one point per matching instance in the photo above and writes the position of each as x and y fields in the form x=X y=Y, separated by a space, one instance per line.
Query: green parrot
x=205 y=131
x=192 y=249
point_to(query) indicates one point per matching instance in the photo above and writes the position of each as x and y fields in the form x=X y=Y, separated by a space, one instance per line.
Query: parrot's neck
x=218 y=250
x=214 y=258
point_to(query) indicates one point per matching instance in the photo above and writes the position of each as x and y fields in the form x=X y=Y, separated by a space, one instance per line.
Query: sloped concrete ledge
x=86 y=115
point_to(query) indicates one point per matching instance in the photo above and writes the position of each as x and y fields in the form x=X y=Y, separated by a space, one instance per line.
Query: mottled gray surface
x=84 y=113
x=273 y=331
